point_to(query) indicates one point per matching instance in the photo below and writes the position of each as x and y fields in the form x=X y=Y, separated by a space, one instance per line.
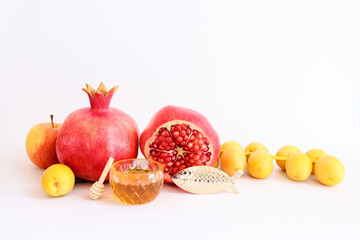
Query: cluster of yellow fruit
x=298 y=166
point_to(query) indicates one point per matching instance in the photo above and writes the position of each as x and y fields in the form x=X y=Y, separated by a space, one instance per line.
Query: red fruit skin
x=89 y=136
x=170 y=113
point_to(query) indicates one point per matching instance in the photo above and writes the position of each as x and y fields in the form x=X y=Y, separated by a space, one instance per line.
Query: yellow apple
x=329 y=170
x=314 y=155
x=298 y=167
x=58 y=180
x=285 y=152
x=232 y=160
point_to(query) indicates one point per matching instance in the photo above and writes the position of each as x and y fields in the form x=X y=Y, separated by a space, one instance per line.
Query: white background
x=277 y=72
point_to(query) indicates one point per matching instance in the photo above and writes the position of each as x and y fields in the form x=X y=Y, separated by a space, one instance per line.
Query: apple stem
x=52 y=120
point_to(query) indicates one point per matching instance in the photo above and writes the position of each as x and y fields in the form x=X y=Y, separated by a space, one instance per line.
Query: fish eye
x=185 y=172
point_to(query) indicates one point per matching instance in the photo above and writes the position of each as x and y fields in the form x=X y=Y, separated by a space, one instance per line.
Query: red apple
x=41 y=144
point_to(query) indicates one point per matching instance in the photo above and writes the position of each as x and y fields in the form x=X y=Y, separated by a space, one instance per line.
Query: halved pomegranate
x=179 y=138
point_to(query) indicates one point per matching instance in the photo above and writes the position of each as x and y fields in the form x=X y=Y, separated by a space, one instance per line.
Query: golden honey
x=136 y=181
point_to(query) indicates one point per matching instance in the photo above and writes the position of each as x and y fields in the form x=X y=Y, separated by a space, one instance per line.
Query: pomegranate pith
x=178 y=143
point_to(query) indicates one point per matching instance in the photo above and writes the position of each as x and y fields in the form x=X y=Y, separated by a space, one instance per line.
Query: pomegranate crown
x=99 y=99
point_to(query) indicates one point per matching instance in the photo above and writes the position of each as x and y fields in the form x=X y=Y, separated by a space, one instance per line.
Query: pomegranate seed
x=177 y=163
x=182 y=133
x=177 y=127
x=175 y=134
x=198 y=162
x=203 y=148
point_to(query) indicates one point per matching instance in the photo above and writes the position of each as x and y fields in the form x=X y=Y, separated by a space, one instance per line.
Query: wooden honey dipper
x=97 y=189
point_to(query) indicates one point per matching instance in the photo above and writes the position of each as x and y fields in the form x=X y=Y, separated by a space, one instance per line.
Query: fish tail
x=237 y=175
x=233 y=186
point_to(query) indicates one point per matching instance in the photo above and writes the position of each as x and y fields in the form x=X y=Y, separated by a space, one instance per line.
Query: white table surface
x=273 y=207
x=277 y=72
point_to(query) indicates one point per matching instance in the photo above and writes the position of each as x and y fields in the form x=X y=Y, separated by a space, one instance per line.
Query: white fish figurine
x=205 y=180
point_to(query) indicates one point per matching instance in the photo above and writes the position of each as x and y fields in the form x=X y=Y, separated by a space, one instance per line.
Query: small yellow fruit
x=285 y=151
x=216 y=164
x=329 y=170
x=229 y=144
x=58 y=180
x=232 y=160
x=252 y=147
x=260 y=164
x=298 y=167
x=315 y=154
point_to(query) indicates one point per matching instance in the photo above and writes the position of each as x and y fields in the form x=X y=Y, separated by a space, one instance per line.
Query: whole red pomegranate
x=89 y=136
x=179 y=138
